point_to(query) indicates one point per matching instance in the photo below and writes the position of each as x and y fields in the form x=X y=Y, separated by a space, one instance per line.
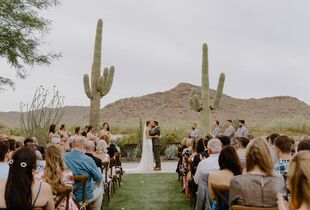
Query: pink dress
x=66 y=180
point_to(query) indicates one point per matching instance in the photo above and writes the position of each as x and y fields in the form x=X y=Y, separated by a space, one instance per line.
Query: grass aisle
x=149 y=192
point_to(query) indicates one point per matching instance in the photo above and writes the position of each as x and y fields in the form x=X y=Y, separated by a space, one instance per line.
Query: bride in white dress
x=146 y=162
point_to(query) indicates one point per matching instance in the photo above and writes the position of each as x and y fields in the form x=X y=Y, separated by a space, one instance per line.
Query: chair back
x=238 y=207
x=222 y=196
x=117 y=156
x=81 y=184
x=37 y=208
x=63 y=192
x=112 y=166
x=105 y=167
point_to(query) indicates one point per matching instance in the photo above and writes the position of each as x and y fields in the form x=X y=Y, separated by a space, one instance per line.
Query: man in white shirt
x=4 y=154
x=210 y=163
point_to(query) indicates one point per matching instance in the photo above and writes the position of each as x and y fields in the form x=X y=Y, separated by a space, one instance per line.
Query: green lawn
x=150 y=192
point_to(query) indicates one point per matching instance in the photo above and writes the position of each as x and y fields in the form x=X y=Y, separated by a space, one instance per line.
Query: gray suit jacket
x=230 y=132
x=203 y=198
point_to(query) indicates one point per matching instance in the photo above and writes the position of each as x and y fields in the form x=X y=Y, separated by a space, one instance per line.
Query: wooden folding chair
x=221 y=192
x=81 y=184
x=118 y=168
x=106 y=184
x=63 y=192
x=113 y=176
x=238 y=207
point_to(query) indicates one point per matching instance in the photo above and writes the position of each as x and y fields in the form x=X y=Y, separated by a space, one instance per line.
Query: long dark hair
x=18 y=193
x=52 y=128
x=229 y=159
x=105 y=123
x=200 y=148
x=89 y=128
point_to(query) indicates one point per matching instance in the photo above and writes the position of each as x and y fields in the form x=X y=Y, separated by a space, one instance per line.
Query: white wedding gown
x=146 y=162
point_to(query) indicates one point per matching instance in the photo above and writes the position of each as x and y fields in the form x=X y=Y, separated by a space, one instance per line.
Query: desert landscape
x=172 y=109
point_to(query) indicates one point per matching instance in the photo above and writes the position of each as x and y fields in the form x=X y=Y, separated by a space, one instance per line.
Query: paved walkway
x=166 y=167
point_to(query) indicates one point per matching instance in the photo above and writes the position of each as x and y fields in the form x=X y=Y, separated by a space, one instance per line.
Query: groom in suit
x=155 y=134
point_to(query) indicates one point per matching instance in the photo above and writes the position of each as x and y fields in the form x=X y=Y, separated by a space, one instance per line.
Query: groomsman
x=230 y=131
x=242 y=130
x=216 y=130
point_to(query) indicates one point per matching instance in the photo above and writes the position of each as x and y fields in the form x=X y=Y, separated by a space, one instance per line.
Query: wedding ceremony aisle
x=149 y=191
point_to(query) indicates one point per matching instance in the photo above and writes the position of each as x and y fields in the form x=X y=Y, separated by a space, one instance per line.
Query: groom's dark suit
x=156 y=147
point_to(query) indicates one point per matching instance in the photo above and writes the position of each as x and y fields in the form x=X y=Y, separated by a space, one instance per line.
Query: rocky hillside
x=172 y=107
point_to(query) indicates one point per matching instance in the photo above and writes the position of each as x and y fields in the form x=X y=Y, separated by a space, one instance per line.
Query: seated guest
x=4 y=157
x=19 y=145
x=196 y=159
x=38 y=147
x=90 y=134
x=242 y=143
x=230 y=166
x=105 y=129
x=29 y=142
x=20 y=190
x=188 y=156
x=77 y=131
x=112 y=149
x=304 y=144
x=84 y=132
x=205 y=154
x=258 y=187
x=283 y=146
x=210 y=163
x=101 y=150
x=81 y=164
x=225 y=140
x=181 y=148
x=270 y=140
x=298 y=183
x=90 y=150
x=12 y=145
x=56 y=174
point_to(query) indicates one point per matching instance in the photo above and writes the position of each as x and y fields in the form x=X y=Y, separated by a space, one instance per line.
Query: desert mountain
x=172 y=107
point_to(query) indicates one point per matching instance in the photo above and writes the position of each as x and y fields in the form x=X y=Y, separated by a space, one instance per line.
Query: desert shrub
x=131 y=154
x=289 y=126
x=46 y=108
x=171 y=152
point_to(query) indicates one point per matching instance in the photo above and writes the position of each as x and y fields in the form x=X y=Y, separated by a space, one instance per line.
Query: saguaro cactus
x=100 y=84
x=204 y=104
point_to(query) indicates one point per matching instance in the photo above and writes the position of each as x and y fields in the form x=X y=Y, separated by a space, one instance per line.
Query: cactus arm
x=107 y=81
x=219 y=92
x=97 y=46
x=87 y=86
x=194 y=101
x=193 y=104
x=197 y=103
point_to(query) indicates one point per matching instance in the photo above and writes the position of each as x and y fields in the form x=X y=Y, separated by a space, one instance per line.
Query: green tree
x=21 y=31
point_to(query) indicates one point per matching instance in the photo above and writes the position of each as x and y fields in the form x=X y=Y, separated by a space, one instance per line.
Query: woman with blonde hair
x=298 y=178
x=57 y=175
x=259 y=186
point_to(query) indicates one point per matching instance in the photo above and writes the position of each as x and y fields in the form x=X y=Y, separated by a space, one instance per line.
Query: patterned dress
x=66 y=180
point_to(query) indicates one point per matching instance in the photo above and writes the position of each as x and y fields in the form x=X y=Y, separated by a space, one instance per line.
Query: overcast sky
x=263 y=47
